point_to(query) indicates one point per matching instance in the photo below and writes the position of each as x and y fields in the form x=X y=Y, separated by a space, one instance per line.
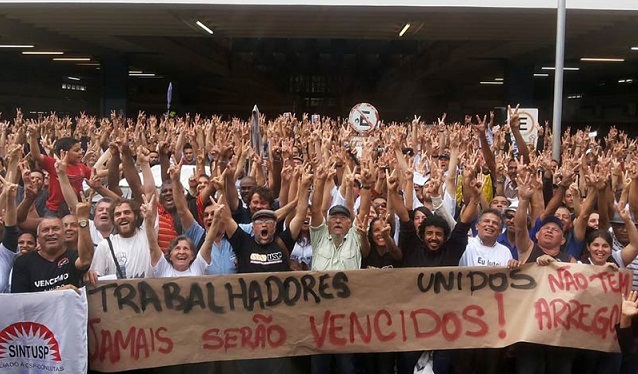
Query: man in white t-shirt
x=483 y=249
x=130 y=245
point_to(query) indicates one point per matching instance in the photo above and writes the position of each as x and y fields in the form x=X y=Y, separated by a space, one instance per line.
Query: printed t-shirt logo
x=266 y=259
x=28 y=340
x=62 y=262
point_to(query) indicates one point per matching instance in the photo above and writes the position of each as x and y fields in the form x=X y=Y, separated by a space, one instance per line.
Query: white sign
x=528 y=124
x=44 y=332
x=363 y=118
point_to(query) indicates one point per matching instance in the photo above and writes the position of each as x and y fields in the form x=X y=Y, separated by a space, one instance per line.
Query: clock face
x=363 y=118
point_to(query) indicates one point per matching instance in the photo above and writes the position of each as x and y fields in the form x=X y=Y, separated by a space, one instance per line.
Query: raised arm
x=113 y=176
x=450 y=178
x=397 y=202
x=96 y=184
x=34 y=144
x=130 y=172
x=149 y=212
x=488 y=156
x=230 y=226
x=164 y=159
x=26 y=214
x=471 y=184
x=320 y=176
x=70 y=196
x=515 y=123
x=207 y=247
x=523 y=242
x=230 y=190
x=580 y=223
x=85 y=243
x=10 y=237
x=302 y=203
x=181 y=205
x=630 y=251
x=568 y=171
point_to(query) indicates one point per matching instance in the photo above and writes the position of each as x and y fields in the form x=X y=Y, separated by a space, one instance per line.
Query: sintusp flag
x=44 y=332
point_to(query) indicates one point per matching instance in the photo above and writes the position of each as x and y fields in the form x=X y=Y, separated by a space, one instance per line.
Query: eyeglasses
x=509 y=216
x=264 y=221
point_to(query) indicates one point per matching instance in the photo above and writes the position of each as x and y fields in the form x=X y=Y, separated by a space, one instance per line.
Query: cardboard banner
x=43 y=332
x=157 y=322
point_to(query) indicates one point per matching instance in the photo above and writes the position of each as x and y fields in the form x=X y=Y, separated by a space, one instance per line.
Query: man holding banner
x=263 y=252
x=338 y=243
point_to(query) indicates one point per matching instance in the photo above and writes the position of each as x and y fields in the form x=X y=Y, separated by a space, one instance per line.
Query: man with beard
x=54 y=266
x=169 y=225
x=431 y=245
x=153 y=158
x=126 y=253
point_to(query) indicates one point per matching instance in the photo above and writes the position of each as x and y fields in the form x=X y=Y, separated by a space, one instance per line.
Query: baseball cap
x=339 y=209
x=552 y=219
x=264 y=213
x=511 y=208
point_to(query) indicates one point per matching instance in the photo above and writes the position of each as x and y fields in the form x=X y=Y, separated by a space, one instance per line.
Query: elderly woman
x=180 y=258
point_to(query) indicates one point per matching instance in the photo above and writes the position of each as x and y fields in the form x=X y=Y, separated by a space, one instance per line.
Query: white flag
x=43 y=332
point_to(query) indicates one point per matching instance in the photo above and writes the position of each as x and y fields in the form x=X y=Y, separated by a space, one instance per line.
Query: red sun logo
x=28 y=340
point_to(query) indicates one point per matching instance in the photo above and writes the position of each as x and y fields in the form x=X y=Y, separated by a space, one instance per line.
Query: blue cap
x=552 y=219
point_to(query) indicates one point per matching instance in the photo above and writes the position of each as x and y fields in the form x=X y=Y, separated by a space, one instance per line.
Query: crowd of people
x=81 y=202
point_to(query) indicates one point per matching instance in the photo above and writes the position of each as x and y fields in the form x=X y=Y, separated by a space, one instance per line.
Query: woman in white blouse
x=180 y=259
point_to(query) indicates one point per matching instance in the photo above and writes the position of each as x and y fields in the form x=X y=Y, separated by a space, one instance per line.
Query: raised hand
x=630 y=304
x=515 y=120
x=624 y=212
x=306 y=176
x=525 y=186
x=174 y=172
x=149 y=206
x=481 y=126
x=83 y=207
x=142 y=155
x=61 y=164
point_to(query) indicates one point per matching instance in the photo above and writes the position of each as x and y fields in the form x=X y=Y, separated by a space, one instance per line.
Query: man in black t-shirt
x=263 y=252
x=54 y=266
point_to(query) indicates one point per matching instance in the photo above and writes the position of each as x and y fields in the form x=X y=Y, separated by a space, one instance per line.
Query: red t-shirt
x=166 y=232
x=76 y=172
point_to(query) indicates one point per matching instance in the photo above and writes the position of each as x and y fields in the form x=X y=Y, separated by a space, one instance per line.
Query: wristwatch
x=83 y=223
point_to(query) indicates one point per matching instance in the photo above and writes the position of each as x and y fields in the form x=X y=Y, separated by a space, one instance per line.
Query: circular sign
x=363 y=118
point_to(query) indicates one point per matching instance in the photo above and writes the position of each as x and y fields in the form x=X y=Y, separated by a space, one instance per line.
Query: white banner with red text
x=43 y=332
